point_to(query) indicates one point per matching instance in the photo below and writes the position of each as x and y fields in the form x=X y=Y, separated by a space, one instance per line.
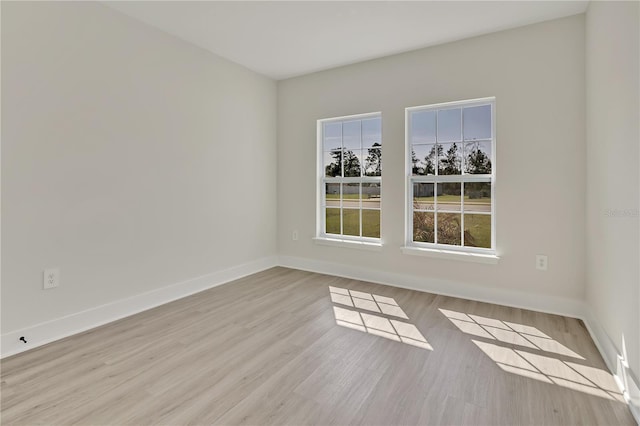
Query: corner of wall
x=628 y=384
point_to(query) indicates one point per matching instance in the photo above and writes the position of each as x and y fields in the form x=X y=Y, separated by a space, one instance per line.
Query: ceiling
x=286 y=39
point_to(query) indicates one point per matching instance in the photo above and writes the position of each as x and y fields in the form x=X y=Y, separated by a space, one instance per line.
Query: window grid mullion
x=360 y=181
x=323 y=201
x=462 y=213
x=341 y=209
x=436 y=146
x=453 y=178
x=462 y=147
x=367 y=179
x=435 y=211
x=360 y=205
x=462 y=183
x=341 y=149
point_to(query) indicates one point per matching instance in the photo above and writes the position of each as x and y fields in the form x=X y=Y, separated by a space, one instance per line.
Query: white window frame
x=367 y=243
x=474 y=254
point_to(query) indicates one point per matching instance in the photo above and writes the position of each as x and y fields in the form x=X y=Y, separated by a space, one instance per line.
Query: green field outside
x=351 y=217
x=350 y=196
x=477 y=229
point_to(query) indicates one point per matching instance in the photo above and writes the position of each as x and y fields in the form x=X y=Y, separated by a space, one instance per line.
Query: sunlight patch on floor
x=551 y=370
x=366 y=301
x=537 y=356
x=371 y=323
x=507 y=332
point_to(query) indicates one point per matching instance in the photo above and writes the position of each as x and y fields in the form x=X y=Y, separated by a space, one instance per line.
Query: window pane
x=332 y=134
x=449 y=229
x=423 y=227
x=449 y=125
x=477 y=197
x=332 y=221
x=351 y=149
x=477 y=122
x=351 y=135
x=371 y=132
x=423 y=127
x=450 y=142
x=332 y=163
x=373 y=160
x=477 y=157
x=371 y=223
x=352 y=163
x=423 y=197
x=351 y=195
x=477 y=230
x=332 y=194
x=449 y=196
x=351 y=222
x=423 y=159
x=371 y=195
x=450 y=159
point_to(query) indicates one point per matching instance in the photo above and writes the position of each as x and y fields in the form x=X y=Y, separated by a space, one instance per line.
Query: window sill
x=335 y=242
x=491 y=259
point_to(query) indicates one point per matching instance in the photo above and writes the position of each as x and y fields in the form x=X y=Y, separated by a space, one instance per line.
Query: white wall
x=536 y=74
x=613 y=202
x=130 y=159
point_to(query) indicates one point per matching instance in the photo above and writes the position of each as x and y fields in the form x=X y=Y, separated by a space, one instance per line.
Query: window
x=451 y=176
x=350 y=169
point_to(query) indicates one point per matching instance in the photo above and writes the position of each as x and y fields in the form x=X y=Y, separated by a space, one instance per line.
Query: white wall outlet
x=51 y=278
x=541 y=262
x=294 y=235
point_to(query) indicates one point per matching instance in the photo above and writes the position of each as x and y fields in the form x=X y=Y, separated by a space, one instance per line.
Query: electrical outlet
x=541 y=262
x=294 y=235
x=51 y=278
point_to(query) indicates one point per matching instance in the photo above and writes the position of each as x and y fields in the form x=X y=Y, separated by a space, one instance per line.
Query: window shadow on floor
x=374 y=321
x=526 y=351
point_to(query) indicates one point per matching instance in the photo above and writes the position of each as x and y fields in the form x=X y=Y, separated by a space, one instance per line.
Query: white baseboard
x=618 y=366
x=43 y=333
x=535 y=302
x=549 y=304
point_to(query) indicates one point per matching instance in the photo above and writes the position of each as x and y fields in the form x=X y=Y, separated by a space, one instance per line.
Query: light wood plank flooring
x=291 y=347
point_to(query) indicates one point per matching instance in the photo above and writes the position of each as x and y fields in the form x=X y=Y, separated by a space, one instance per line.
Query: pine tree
x=478 y=162
x=451 y=164
x=373 y=163
x=352 y=166
x=431 y=159
x=416 y=169
x=334 y=168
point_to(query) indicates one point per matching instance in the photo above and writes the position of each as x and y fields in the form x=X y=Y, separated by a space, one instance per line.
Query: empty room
x=320 y=213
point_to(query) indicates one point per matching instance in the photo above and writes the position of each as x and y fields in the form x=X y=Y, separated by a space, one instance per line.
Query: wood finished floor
x=285 y=347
